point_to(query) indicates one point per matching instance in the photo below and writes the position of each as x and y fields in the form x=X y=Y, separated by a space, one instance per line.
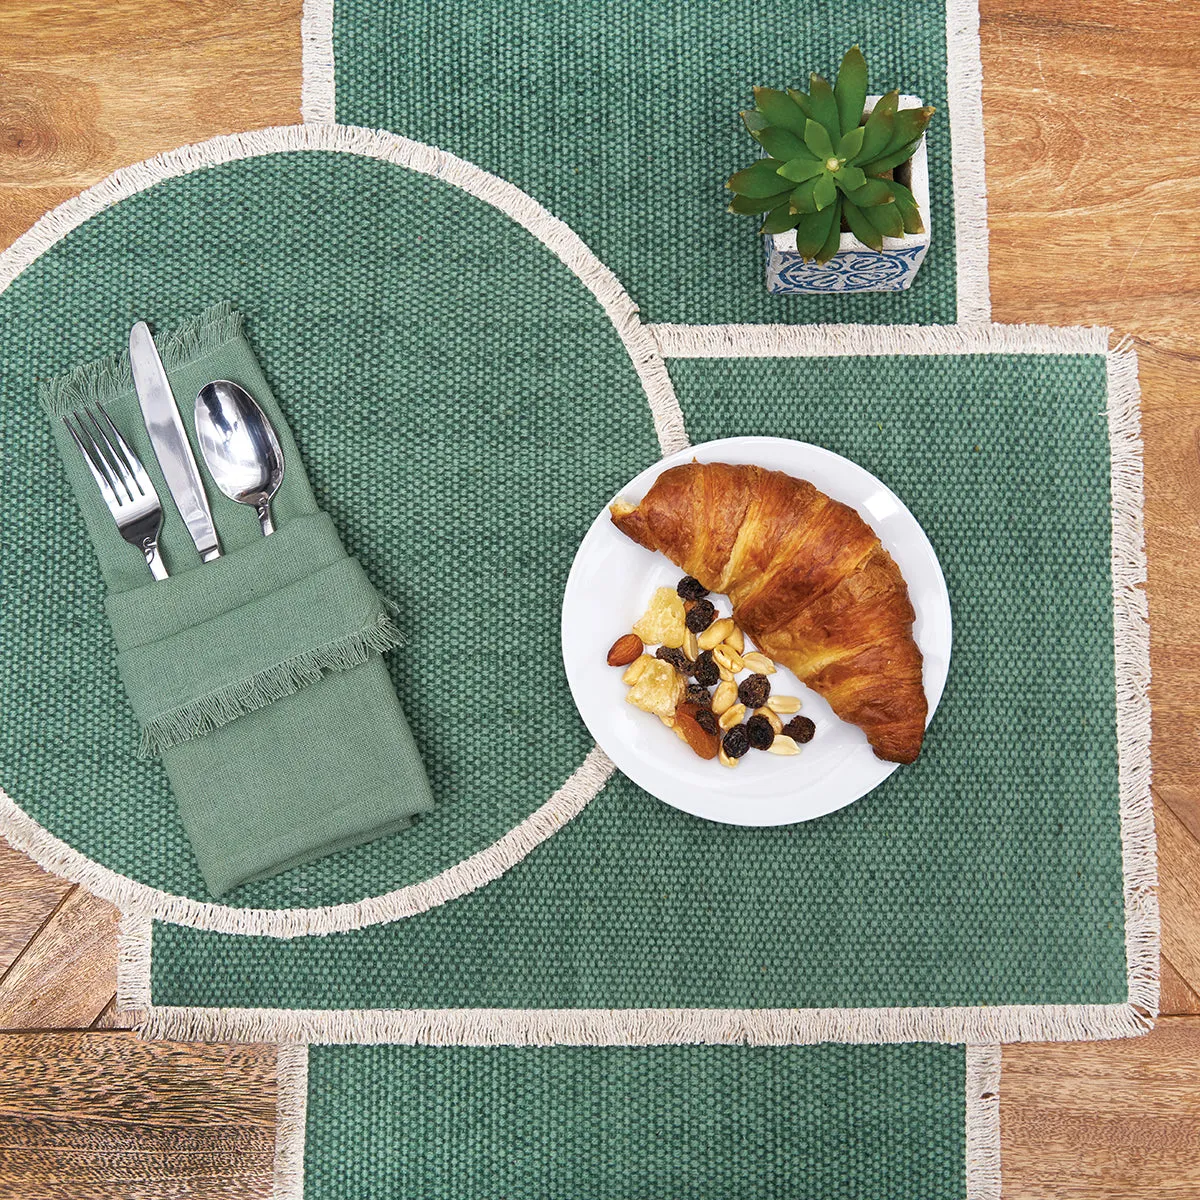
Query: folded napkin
x=257 y=677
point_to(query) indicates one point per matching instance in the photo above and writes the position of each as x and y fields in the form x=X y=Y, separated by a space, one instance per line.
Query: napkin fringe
x=100 y=381
x=220 y=707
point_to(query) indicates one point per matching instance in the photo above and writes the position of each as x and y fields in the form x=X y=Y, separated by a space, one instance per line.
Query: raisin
x=690 y=588
x=736 y=742
x=760 y=733
x=753 y=692
x=701 y=615
x=800 y=729
x=677 y=659
x=707 y=672
x=697 y=694
x=707 y=720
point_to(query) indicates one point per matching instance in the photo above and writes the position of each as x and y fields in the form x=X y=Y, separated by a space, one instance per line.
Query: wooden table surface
x=1094 y=202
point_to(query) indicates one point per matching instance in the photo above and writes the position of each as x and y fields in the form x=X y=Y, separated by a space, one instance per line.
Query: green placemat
x=983 y=885
x=837 y=1122
x=623 y=120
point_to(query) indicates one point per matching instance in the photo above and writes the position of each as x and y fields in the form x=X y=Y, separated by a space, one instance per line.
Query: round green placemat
x=464 y=406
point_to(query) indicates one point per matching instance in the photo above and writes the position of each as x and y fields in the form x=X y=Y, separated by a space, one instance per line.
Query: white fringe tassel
x=1131 y=641
x=984 y=1025
x=964 y=96
x=983 y=1123
x=317 y=102
x=291 y=1110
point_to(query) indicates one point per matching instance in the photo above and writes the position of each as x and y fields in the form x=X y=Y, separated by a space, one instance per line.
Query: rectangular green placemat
x=644 y=1123
x=998 y=889
x=622 y=119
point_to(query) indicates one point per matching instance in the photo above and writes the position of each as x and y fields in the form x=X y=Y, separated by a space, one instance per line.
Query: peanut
x=726 y=657
x=724 y=697
x=732 y=716
x=724 y=758
x=758 y=662
x=715 y=634
x=783 y=745
x=776 y=723
x=737 y=639
x=784 y=704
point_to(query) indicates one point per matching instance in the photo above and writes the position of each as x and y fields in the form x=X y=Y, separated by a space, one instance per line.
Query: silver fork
x=123 y=483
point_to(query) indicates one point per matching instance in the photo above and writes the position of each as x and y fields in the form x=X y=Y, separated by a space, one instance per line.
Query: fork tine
x=131 y=459
x=115 y=461
x=95 y=464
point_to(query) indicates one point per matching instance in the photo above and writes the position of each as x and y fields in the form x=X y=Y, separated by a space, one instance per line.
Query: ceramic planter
x=856 y=267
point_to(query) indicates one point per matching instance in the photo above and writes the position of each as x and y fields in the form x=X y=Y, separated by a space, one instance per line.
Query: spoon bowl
x=239 y=446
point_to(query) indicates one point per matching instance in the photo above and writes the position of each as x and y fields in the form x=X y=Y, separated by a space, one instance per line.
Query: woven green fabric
x=645 y=1123
x=462 y=407
x=987 y=873
x=273 y=763
x=623 y=120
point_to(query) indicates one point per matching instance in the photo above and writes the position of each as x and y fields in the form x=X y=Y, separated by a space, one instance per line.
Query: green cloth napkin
x=258 y=677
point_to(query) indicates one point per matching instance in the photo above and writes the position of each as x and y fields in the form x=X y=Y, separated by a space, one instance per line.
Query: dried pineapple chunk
x=664 y=621
x=658 y=689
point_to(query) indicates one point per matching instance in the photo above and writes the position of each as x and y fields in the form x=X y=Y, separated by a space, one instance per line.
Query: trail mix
x=691 y=681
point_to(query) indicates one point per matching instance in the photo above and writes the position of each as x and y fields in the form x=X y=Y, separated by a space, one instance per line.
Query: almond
x=624 y=650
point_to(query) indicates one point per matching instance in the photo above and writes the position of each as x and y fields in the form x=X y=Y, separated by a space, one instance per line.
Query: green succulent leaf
x=780 y=109
x=759 y=180
x=906 y=202
x=890 y=161
x=802 y=198
x=824 y=106
x=886 y=218
x=754 y=121
x=801 y=98
x=752 y=205
x=816 y=138
x=780 y=220
x=850 y=144
x=908 y=125
x=813 y=231
x=861 y=227
x=877 y=132
x=783 y=144
x=849 y=178
x=825 y=191
x=800 y=169
x=850 y=91
x=872 y=192
x=833 y=239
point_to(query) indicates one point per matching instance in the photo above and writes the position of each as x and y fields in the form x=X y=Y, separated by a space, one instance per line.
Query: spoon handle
x=264 y=518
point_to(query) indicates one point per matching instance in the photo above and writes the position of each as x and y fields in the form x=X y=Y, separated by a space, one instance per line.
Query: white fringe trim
x=983 y=1123
x=1131 y=642
x=646 y=1026
x=142 y=903
x=964 y=96
x=291 y=1112
x=317 y=102
x=829 y=341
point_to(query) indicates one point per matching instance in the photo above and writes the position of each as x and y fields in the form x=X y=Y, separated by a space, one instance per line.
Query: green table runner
x=837 y=1122
x=623 y=120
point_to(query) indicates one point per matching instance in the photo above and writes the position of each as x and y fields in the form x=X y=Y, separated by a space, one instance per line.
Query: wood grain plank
x=86 y=1116
x=91 y=86
x=1104 y=1119
x=28 y=896
x=1177 y=998
x=1179 y=895
x=65 y=978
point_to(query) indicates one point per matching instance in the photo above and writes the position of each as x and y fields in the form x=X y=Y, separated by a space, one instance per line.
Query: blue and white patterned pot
x=856 y=267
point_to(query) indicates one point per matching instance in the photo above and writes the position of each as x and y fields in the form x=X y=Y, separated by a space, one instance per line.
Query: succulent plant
x=824 y=163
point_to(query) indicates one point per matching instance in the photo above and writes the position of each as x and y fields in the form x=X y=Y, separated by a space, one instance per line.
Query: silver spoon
x=239 y=446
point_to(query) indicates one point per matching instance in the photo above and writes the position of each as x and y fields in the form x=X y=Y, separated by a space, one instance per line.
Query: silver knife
x=170 y=442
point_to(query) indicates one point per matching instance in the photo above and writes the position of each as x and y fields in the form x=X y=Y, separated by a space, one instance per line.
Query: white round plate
x=610 y=585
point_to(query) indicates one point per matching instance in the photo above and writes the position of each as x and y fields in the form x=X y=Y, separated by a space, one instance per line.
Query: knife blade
x=170 y=441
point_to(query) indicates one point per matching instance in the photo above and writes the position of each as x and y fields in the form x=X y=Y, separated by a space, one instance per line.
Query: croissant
x=809 y=581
